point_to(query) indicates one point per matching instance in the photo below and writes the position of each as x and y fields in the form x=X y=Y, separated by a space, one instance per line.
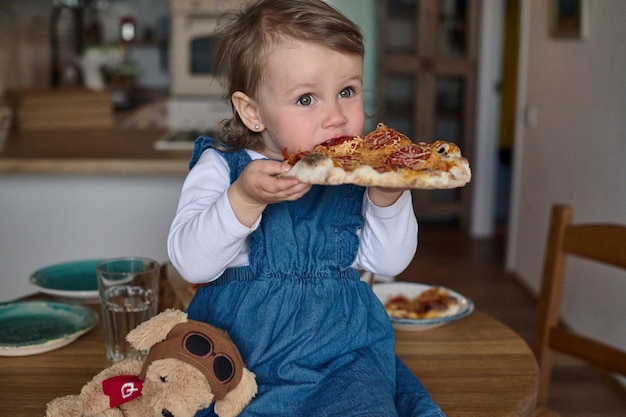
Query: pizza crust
x=318 y=168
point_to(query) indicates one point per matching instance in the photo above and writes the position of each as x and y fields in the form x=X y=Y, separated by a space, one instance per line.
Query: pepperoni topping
x=383 y=149
x=385 y=139
x=411 y=156
x=347 y=162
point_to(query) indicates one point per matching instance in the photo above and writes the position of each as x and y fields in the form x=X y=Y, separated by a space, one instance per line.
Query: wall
x=484 y=158
x=572 y=153
x=50 y=219
x=25 y=41
x=24 y=44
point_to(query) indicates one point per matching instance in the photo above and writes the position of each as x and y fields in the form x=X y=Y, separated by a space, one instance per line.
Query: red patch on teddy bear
x=121 y=389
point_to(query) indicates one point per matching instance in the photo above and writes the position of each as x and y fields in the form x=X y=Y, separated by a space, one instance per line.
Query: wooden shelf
x=419 y=51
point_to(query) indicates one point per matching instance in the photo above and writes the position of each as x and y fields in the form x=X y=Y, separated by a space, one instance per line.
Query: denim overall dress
x=317 y=338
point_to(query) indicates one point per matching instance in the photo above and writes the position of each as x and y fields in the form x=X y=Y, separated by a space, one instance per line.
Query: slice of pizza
x=433 y=303
x=384 y=157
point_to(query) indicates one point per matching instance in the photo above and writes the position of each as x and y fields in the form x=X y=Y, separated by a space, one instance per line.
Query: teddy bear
x=189 y=365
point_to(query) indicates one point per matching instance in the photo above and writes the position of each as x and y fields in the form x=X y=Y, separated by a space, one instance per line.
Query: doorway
x=506 y=127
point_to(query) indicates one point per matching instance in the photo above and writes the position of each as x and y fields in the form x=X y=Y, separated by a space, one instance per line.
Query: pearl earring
x=257 y=127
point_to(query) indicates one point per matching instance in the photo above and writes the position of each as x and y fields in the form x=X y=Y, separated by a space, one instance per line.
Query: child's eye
x=346 y=92
x=305 y=100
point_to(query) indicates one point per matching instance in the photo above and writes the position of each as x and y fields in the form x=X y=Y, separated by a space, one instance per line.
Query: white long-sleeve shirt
x=205 y=237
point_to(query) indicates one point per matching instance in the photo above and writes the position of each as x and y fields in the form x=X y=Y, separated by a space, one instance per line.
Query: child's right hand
x=258 y=186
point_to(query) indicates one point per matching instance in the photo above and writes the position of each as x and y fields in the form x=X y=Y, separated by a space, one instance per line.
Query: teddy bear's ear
x=236 y=400
x=155 y=330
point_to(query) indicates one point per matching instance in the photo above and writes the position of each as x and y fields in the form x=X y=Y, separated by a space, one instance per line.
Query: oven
x=196 y=96
x=193 y=43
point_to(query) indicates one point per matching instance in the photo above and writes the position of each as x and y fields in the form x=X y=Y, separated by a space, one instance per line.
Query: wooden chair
x=604 y=243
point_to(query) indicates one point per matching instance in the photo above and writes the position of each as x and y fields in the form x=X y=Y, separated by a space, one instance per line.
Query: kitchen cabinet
x=426 y=88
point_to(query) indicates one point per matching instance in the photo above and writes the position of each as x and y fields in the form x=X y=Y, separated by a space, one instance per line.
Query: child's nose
x=334 y=115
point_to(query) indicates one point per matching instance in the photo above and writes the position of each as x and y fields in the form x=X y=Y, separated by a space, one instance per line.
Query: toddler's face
x=308 y=95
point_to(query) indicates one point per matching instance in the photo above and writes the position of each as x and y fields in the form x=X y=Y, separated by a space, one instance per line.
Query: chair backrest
x=604 y=243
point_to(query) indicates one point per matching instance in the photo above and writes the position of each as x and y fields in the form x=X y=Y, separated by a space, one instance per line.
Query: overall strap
x=236 y=160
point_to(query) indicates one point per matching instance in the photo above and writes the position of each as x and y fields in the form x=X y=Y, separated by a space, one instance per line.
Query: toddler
x=280 y=258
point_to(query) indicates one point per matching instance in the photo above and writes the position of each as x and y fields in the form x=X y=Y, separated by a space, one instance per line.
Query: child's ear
x=247 y=110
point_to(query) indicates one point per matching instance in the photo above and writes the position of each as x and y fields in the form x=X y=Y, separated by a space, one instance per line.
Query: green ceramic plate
x=32 y=327
x=72 y=279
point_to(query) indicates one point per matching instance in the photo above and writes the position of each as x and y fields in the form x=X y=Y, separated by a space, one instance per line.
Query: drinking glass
x=129 y=291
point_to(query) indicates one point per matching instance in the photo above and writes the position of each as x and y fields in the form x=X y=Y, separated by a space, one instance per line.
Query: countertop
x=124 y=145
x=104 y=151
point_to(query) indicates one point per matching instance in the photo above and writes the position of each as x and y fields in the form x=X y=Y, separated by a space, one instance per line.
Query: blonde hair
x=246 y=36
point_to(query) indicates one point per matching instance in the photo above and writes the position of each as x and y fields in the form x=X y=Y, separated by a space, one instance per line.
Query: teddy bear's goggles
x=201 y=346
x=205 y=347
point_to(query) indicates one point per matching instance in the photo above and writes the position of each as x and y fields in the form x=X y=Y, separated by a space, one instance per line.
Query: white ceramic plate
x=411 y=290
x=32 y=327
x=71 y=279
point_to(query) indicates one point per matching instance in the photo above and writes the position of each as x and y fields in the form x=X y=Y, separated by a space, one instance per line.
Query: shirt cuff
x=389 y=211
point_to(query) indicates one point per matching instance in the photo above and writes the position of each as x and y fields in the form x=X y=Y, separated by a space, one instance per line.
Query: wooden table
x=473 y=367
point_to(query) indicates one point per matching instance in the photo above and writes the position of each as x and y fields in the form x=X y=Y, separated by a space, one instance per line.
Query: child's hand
x=383 y=196
x=257 y=186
